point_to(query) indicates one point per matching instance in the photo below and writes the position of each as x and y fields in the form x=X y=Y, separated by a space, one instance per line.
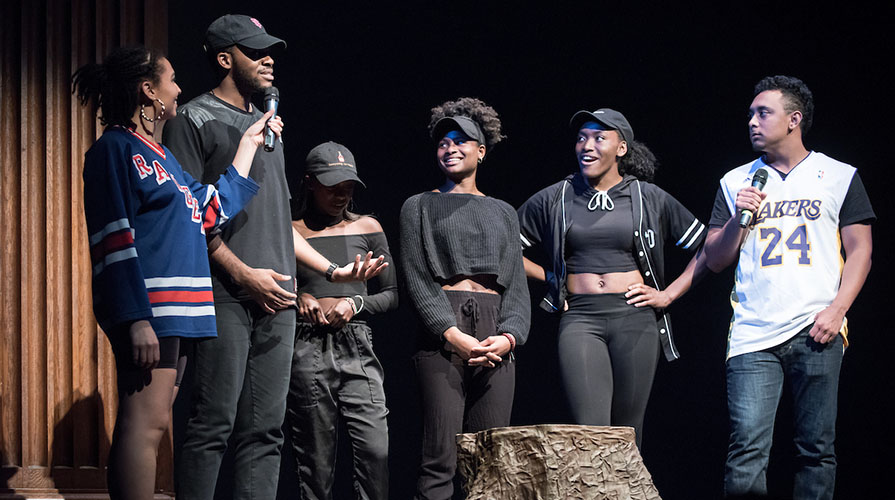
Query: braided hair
x=114 y=85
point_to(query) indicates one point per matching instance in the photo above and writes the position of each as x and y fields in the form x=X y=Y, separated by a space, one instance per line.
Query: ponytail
x=639 y=161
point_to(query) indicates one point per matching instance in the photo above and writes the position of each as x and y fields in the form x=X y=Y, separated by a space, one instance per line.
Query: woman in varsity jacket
x=603 y=230
x=463 y=272
x=147 y=222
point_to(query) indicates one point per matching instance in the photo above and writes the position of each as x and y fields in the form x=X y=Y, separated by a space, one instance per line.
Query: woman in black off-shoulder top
x=462 y=265
x=335 y=374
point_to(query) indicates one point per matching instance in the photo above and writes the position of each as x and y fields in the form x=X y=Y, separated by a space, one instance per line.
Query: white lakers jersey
x=790 y=262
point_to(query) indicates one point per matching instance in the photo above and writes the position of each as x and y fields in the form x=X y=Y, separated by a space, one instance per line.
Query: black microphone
x=271 y=102
x=759 y=179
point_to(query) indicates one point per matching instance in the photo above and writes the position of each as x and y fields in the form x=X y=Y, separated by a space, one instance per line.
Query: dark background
x=366 y=76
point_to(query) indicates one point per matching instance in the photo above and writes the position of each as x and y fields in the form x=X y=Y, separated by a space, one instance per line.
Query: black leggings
x=608 y=353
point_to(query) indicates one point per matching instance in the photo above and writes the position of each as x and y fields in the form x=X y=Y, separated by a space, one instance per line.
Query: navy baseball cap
x=609 y=118
x=462 y=123
x=235 y=29
x=331 y=163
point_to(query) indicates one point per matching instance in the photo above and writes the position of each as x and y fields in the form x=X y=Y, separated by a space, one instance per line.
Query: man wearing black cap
x=242 y=377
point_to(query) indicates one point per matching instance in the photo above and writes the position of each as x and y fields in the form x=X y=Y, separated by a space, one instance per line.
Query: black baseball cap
x=235 y=29
x=609 y=118
x=462 y=123
x=331 y=163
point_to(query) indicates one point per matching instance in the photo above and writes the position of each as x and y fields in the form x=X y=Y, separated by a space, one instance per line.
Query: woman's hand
x=144 y=345
x=491 y=349
x=339 y=313
x=464 y=345
x=309 y=309
x=641 y=295
x=360 y=271
x=251 y=139
x=255 y=133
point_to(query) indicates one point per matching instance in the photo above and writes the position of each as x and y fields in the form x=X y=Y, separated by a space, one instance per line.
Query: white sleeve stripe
x=127 y=253
x=111 y=227
x=695 y=236
x=526 y=243
x=178 y=281
x=687 y=232
x=209 y=194
x=161 y=311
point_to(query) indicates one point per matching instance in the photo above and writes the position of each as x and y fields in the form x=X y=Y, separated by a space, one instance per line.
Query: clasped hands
x=485 y=353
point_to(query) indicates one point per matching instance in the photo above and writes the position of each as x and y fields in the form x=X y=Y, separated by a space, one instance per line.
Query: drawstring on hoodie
x=600 y=200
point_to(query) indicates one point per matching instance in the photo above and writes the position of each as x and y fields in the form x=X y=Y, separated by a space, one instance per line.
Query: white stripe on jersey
x=178 y=281
x=525 y=241
x=695 y=236
x=161 y=311
x=127 y=253
x=110 y=228
x=687 y=232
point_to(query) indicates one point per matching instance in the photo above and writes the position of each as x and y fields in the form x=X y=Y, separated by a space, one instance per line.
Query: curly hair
x=114 y=85
x=639 y=161
x=474 y=109
x=796 y=96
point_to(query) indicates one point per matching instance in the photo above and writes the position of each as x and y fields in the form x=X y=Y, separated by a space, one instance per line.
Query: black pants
x=458 y=398
x=335 y=375
x=608 y=353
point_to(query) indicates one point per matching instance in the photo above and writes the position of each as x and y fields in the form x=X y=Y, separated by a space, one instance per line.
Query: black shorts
x=172 y=355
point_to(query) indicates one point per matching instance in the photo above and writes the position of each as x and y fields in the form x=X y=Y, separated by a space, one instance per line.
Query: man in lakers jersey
x=792 y=289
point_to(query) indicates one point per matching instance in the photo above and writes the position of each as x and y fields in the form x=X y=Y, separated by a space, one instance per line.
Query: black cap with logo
x=331 y=163
x=235 y=29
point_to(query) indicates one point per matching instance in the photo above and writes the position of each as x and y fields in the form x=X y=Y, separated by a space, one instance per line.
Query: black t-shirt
x=204 y=137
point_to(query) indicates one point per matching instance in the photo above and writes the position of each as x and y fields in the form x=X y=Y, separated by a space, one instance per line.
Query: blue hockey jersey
x=146 y=220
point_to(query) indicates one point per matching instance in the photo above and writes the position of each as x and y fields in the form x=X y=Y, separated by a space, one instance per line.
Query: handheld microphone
x=271 y=102
x=759 y=179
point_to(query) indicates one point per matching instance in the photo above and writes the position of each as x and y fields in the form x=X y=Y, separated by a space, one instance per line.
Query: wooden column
x=57 y=388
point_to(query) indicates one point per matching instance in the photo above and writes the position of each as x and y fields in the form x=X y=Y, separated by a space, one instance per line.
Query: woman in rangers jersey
x=147 y=220
x=604 y=229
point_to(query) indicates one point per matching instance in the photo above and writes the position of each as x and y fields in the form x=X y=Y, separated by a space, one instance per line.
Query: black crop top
x=343 y=248
x=600 y=236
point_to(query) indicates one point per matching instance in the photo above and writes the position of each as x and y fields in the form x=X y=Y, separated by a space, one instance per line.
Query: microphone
x=271 y=102
x=759 y=179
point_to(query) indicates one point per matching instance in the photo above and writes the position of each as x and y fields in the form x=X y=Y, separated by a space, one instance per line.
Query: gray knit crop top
x=448 y=235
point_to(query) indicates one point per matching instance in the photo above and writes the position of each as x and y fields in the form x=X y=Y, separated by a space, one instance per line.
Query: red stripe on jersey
x=155 y=147
x=112 y=243
x=211 y=213
x=181 y=296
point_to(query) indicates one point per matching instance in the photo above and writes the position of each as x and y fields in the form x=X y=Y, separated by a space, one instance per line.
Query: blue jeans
x=754 y=386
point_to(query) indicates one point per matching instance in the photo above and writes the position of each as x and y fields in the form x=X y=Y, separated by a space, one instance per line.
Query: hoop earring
x=162 y=112
x=143 y=114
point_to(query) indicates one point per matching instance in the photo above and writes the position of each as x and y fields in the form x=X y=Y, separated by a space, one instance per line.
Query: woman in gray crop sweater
x=462 y=266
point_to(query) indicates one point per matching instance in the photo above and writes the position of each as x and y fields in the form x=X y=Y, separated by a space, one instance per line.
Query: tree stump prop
x=554 y=462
